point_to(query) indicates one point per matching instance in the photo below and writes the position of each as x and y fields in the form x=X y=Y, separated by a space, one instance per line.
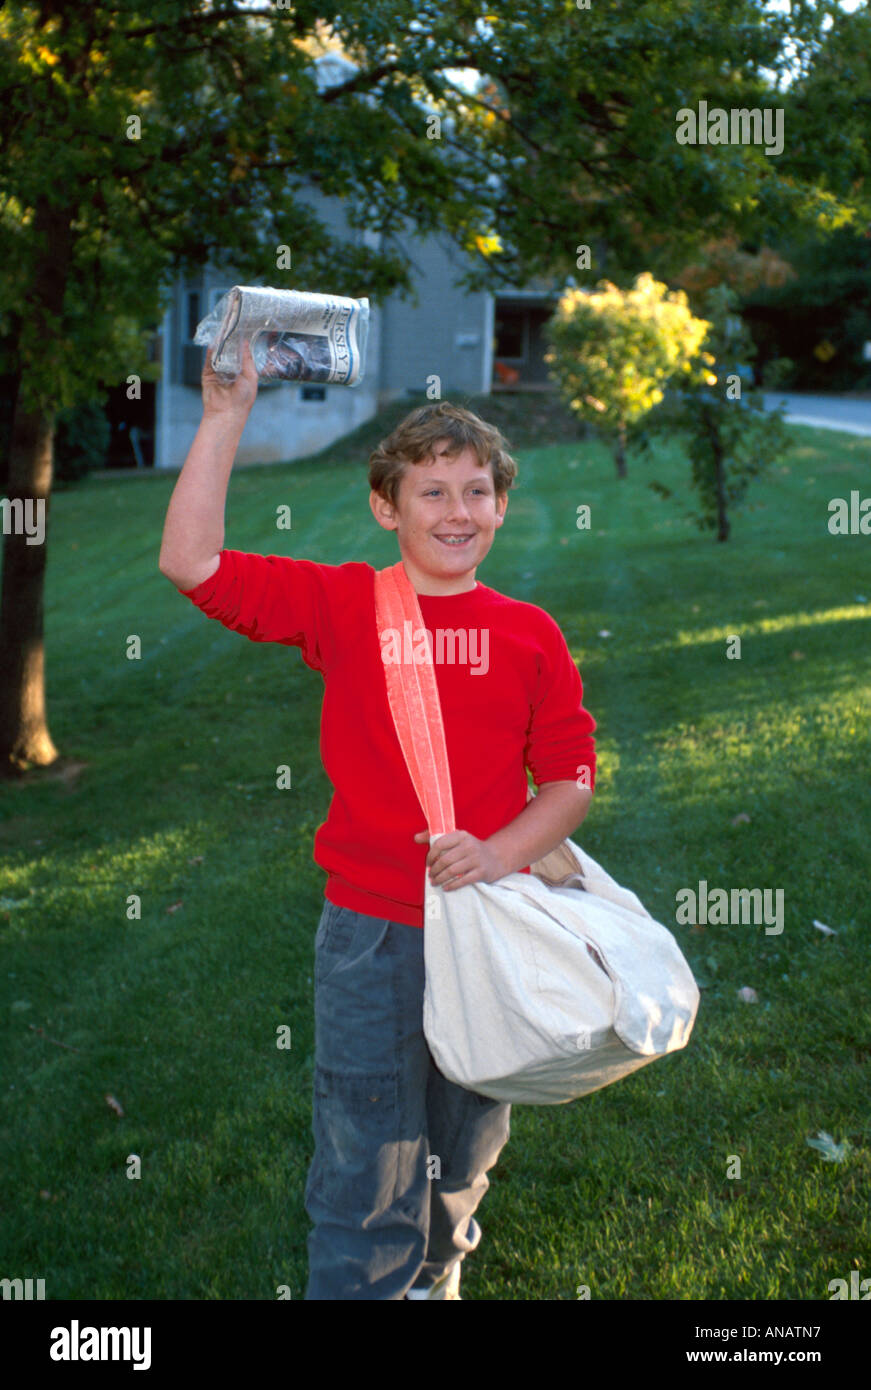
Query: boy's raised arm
x=193 y=533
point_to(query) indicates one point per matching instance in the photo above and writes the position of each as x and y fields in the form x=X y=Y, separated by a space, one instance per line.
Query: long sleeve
x=560 y=739
x=273 y=598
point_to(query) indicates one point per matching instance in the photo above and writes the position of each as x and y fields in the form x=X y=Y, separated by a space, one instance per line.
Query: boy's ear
x=383 y=511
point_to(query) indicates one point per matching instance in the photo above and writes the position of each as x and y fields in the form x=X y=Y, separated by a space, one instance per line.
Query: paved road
x=826 y=412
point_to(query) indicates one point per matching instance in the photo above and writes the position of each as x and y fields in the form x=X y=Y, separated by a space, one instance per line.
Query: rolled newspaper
x=294 y=336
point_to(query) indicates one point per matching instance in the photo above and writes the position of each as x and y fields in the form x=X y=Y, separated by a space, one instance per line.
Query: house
x=472 y=341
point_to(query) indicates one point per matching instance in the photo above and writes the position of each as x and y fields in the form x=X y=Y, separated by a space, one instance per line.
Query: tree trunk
x=24 y=735
x=712 y=429
x=723 y=525
x=620 y=452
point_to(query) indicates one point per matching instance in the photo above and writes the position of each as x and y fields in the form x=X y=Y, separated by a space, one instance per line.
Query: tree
x=584 y=105
x=832 y=92
x=139 y=140
x=613 y=351
x=729 y=436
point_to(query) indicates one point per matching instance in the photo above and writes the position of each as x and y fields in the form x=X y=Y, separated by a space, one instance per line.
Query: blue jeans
x=401 y=1153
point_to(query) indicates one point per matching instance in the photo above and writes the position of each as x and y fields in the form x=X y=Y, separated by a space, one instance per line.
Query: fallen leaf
x=831 y=1152
x=604 y=632
x=197 y=859
x=748 y=995
x=797 y=656
x=741 y=818
x=826 y=931
x=174 y=907
x=114 y=1105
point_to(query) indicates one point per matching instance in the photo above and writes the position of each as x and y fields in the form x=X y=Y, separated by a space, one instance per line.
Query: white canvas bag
x=541 y=987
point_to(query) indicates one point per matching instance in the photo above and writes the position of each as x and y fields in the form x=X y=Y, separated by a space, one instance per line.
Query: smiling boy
x=401 y=1154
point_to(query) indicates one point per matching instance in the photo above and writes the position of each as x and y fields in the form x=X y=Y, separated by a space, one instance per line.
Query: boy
x=401 y=1154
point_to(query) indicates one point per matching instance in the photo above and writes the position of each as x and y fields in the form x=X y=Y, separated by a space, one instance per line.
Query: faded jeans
x=401 y=1153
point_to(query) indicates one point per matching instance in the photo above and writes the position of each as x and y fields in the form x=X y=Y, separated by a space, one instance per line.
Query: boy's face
x=439 y=498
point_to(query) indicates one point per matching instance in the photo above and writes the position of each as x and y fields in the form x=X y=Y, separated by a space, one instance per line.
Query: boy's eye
x=432 y=490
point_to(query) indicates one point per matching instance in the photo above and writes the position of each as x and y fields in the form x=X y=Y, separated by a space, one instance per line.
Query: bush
x=777 y=374
x=81 y=441
x=613 y=353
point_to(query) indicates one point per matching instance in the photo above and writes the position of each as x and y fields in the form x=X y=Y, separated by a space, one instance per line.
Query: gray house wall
x=448 y=334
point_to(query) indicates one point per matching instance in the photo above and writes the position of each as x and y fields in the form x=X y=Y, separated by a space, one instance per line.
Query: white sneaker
x=446 y=1287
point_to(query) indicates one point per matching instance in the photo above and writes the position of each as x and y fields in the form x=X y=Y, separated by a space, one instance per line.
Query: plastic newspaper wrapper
x=294 y=336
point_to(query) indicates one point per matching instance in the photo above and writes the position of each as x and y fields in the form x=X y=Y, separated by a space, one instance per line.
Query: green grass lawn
x=174 y=1015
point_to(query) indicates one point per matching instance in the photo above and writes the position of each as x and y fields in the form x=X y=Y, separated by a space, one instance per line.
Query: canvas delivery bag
x=541 y=987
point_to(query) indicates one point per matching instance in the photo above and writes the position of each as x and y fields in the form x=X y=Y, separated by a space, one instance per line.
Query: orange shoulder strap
x=413 y=696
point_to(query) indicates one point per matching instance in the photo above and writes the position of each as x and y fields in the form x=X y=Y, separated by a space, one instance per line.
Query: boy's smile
x=445 y=520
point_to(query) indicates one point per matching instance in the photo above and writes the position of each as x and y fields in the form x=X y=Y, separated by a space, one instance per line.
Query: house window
x=192 y=356
x=193 y=313
x=510 y=334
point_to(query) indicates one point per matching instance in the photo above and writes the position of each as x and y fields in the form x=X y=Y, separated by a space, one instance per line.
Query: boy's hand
x=223 y=397
x=458 y=859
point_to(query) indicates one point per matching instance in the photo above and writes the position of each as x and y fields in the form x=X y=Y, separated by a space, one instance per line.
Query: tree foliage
x=728 y=435
x=613 y=351
x=828 y=114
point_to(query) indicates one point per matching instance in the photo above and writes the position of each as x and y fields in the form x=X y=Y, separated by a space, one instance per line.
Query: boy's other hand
x=223 y=397
x=458 y=859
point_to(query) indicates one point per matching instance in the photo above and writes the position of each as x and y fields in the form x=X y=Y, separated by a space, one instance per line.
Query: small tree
x=613 y=351
x=728 y=434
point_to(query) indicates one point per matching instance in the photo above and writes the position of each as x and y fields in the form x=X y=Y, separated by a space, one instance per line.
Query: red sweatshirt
x=515 y=701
